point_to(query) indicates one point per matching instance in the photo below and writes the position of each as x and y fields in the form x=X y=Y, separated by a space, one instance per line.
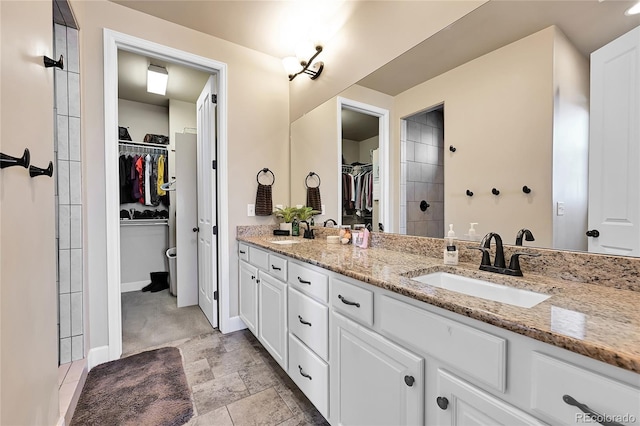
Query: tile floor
x=233 y=379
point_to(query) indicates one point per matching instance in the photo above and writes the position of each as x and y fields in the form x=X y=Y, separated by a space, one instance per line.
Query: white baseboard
x=133 y=286
x=231 y=325
x=97 y=356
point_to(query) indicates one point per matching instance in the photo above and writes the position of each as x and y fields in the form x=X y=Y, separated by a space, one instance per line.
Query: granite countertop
x=593 y=320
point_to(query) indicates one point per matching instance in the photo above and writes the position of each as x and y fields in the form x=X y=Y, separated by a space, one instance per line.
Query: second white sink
x=483 y=289
x=285 y=242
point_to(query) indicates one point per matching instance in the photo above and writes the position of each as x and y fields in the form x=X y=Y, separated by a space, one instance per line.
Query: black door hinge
x=214 y=164
x=215 y=230
x=214 y=99
x=215 y=295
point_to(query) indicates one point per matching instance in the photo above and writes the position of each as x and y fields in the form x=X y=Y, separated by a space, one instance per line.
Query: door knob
x=593 y=233
x=196 y=229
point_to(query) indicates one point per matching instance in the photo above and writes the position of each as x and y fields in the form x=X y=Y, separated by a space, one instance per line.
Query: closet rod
x=142 y=222
x=144 y=144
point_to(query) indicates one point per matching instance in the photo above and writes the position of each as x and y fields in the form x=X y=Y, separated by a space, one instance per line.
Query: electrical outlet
x=560 y=208
x=322 y=209
x=298 y=206
x=279 y=206
x=251 y=209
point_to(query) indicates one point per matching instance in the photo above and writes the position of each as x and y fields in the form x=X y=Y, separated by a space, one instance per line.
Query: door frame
x=113 y=41
x=383 y=146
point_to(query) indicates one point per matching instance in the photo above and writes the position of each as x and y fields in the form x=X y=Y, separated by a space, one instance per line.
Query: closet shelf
x=153 y=145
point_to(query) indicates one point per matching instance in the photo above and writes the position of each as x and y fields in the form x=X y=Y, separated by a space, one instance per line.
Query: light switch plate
x=251 y=209
x=279 y=206
x=322 y=209
x=560 y=208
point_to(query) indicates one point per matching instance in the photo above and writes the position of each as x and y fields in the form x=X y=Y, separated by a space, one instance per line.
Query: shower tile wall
x=424 y=174
x=68 y=196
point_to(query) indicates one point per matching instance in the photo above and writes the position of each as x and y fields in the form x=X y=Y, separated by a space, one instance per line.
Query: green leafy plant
x=305 y=213
x=287 y=214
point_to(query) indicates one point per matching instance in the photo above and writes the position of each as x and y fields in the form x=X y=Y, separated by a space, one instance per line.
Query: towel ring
x=311 y=174
x=266 y=170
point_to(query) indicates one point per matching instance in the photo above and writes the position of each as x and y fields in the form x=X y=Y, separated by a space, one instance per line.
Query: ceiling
x=184 y=84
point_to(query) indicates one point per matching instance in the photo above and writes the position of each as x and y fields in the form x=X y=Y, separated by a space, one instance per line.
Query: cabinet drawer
x=474 y=352
x=310 y=373
x=243 y=252
x=278 y=267
x=552 y=379
x=308 y=281
x=352 y=300
x=309 y=321
x=259 y=258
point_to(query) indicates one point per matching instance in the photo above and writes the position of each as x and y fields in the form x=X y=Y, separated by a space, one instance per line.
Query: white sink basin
x=483 y=289
x=285 y=242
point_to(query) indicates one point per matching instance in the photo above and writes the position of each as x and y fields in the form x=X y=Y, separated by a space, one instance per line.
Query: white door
x=207 y=241
x=373 y=380
x=249 y=296
x=460 y=404
x=186 y=219
x=614 y=147
x=272 y=317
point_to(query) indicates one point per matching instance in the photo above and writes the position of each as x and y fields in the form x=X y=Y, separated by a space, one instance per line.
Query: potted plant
x=305 y=213
x=287 y=214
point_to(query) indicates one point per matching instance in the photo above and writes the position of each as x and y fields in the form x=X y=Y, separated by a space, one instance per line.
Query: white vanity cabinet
x=263 y=299
x=373 y=380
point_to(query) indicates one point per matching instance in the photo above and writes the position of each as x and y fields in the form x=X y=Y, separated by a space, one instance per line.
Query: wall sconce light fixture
x=157 y=78
x=292 y=65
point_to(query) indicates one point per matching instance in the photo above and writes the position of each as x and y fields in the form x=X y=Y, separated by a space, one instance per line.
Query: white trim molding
x=113 y=41
x=383 y=141
x=97 y=356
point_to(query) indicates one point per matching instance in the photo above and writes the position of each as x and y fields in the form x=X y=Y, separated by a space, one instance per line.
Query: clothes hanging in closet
x=141 y=177
x=357 y=190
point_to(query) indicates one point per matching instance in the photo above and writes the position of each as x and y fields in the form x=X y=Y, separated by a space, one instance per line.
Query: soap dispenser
x=450 y=249
x=473 y=236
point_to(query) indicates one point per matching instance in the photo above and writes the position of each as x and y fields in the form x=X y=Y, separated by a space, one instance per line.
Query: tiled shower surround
x=422 y=170
x=68 y=175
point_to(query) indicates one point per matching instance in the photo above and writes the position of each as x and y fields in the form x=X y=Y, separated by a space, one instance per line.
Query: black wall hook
x=495 y=191
x=452 y=148
x=469 y=193
x=37 y=171
x=48 y=62
x=9 y=161
x=526 y=189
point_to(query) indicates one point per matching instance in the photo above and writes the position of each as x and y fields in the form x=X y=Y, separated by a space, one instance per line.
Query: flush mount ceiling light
x=293 y=65
x=157 y=78
x=633 y=10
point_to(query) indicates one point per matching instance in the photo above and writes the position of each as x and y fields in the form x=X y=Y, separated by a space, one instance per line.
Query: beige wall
x=498 y=113
x=257 y=131
x=368 y=40
x=28 y=312
x=314 y=147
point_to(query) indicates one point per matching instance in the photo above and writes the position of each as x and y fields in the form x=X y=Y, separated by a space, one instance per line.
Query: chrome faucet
x=524 y=232
x=499 y=263
x=308 y=233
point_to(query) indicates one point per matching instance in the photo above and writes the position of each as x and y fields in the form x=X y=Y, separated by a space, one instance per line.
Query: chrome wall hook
x=48 y=62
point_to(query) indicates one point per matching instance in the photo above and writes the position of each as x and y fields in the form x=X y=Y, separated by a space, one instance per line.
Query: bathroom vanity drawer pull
x=303 y=281
x=589 y=412
x=303 y=321
x=348 y=302
x=275 y=268
x=303 y=374
x=442 y=402
x=409 y=380
x=241 y=251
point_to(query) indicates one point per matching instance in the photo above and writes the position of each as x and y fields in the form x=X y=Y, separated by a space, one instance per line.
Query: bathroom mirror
x=402 y=87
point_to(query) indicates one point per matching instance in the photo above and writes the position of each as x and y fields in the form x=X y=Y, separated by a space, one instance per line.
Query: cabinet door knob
x=409 y=380
x=593 y=233
x=443 y=402
x=253 y=277
x=198 y=229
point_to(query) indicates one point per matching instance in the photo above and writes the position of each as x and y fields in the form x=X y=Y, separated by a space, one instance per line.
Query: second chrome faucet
x=499 y=265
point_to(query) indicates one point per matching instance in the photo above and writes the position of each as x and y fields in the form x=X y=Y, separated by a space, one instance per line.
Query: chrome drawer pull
x=303 y=374
x=275 y=268
x=347 y=302
x=303 y=281
x=303 y=321
x=594 y=415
